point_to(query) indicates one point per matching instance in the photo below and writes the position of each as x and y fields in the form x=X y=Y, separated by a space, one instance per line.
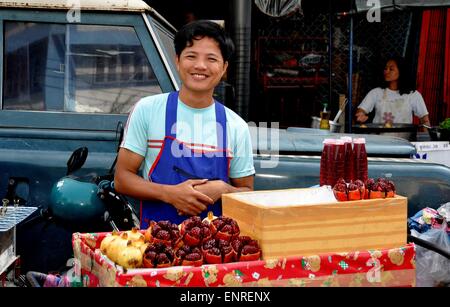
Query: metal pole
x=330 y=46
x=350 y=79
x=241 y=35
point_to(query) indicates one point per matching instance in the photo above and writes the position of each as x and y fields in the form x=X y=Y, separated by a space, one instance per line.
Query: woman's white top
x=392 y=107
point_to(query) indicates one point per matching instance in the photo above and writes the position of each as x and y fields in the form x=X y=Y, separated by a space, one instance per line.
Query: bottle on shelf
x=325 y=118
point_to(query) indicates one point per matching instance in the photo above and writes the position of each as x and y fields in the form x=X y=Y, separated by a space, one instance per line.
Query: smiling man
x=193 y=148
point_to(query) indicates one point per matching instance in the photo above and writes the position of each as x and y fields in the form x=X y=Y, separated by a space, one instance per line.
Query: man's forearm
x=137 y=187
x=216 y=188
x=233 y=189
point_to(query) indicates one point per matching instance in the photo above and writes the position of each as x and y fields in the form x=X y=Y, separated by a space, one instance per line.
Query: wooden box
x=309 y=229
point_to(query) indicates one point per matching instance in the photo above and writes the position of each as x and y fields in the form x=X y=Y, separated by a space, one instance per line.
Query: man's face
x=201 y=66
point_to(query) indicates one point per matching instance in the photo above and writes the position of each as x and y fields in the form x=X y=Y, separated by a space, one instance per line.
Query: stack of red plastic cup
x=360 y=158
x=337 y=167
x=349 y=173
x=332 y=162
x=326 y=153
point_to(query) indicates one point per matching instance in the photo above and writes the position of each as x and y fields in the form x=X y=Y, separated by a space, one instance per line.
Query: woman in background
x=396 y=101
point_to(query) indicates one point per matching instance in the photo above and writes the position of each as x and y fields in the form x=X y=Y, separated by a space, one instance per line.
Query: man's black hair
x=199 y=29
x=406 y=84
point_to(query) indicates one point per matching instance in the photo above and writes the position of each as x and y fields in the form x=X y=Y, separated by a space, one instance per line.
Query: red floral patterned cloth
x=393 y=267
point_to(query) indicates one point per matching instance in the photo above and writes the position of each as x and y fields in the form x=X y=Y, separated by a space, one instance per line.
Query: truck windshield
x=75 y=68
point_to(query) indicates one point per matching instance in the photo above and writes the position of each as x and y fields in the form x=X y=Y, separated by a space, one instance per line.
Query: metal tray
x=13 y=216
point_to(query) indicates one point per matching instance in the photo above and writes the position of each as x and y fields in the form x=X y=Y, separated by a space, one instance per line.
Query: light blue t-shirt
x=145 y=131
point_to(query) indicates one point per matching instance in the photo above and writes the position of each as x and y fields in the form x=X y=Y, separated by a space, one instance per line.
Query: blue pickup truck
x=69 y=77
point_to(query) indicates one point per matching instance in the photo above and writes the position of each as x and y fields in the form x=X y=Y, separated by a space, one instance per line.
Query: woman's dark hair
x=199 y=29
x=406 y=84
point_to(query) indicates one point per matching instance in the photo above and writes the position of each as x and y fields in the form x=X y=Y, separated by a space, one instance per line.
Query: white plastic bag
x=432 y=269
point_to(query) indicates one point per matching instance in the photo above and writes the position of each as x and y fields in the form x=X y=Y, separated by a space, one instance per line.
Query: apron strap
x=171 y=114
x=221 y=125
x=221 y=120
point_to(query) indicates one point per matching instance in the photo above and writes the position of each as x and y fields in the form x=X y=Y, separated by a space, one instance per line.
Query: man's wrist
x=233 y=189
x=165 y=193
x=229 y=188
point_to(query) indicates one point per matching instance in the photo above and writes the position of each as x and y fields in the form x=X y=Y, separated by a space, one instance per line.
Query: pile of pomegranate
x=380 y=188
x=194 y=242
x=357 y=190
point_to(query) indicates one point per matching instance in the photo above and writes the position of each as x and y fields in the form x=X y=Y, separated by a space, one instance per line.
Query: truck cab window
x=75 y=68
x=166 y=39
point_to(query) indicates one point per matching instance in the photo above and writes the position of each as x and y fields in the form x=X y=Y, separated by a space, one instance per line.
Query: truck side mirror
x=76 y=160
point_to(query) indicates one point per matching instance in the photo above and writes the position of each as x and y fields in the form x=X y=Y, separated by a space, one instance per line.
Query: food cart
x=393 y=267
x=298 y=244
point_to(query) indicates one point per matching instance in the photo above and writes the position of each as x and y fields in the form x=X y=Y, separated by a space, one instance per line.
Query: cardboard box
x=436 y=152
x=370 y=268
x=307 y=229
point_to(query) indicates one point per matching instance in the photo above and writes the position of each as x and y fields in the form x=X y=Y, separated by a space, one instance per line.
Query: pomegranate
x=245 y=249
x=378 y=190
x=353 y=192
x=224 y=228
x=210 y=217
x=194 y=231
x=164 y=232
x=369 y=184
x=158 y=255
x=361 y=186
x=341 y=180
x=134 y=234
x=217 y=251
x=187 y=255
x=340 y=191
x=106 y=242
x=141 y=244
x=130 y=257
x=116 y=246
x=390 y=189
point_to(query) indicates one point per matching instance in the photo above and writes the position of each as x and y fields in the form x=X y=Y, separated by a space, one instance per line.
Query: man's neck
x=195 y=99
